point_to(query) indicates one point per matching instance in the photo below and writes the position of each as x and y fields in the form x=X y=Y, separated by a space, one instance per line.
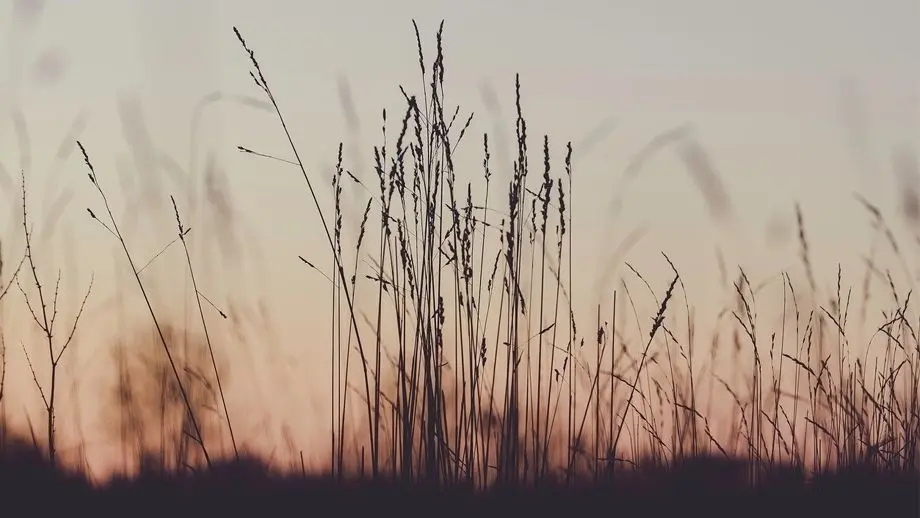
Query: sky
x=794 y=102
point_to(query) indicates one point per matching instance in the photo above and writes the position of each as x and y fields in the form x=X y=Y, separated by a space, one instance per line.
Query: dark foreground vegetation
x=250 y=488
x=454 y=335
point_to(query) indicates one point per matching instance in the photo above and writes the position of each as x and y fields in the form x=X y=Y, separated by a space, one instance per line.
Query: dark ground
x=29 y=485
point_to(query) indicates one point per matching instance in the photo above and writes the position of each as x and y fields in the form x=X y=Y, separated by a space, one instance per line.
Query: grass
x=463 y=381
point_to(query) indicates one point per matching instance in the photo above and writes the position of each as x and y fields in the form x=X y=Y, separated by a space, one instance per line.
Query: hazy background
x=793 y=100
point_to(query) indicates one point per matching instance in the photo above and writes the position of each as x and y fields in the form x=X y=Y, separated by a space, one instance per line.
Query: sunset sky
x=793 y=101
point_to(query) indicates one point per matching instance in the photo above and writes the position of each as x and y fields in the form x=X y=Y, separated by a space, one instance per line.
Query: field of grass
x=463 y=381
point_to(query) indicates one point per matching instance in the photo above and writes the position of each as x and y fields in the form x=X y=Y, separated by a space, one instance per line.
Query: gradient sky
x=793 y=100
